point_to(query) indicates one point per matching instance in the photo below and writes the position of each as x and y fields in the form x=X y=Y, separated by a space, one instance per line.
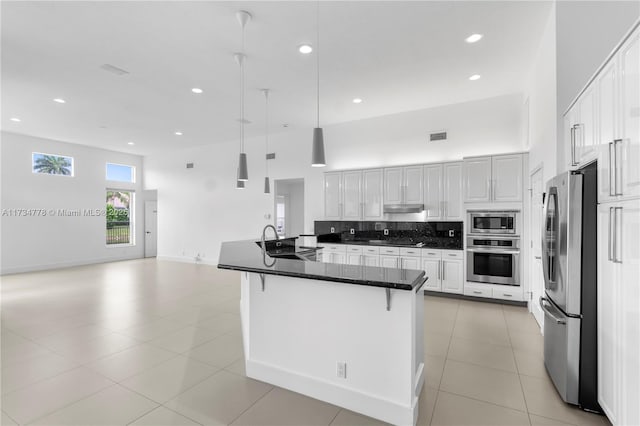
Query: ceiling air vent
x=113 y=69
x=189 y=165
x=438 y=136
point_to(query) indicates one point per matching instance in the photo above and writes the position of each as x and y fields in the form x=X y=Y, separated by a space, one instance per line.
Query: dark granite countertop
x=247 y=256
x=391 y=243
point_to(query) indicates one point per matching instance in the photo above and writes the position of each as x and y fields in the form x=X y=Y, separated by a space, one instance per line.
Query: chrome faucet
x=264 y=233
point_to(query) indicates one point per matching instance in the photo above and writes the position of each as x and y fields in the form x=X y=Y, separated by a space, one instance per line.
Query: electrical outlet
x=385 y=232
x=341 y=369
x=452 y=233
x=333 y=230
x=352 y=231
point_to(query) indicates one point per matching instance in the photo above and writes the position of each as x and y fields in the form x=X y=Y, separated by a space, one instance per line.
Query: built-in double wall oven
x=493 y=247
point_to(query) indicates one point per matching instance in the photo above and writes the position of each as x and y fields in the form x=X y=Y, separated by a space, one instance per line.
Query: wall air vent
x=189 y=165
x=438 y=136
x=271 y=156
x=113 y=69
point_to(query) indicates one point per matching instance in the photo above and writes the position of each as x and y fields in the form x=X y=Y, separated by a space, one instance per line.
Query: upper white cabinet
x=353 y=195
x=372 y=182
x=618 y=105
x=493 y=179
x=403 y=185
x=628 y=161
x=443 y=191
x=333 y=195
x=581 y=130
x=477 y=180
x=507 y=178
x=433 y=191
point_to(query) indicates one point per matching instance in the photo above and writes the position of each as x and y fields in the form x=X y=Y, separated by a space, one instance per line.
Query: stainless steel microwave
x=493 y=222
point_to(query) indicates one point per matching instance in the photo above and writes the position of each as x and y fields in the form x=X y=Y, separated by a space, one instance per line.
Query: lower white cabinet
x=619 y=311
x=452 y=275
x=389 y=261
x=334 y=253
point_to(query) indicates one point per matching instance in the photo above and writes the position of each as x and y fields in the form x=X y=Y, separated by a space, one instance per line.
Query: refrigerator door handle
x=549 y=313
x=549 y=236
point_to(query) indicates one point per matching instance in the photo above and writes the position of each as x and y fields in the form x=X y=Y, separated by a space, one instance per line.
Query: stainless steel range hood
x=403 y=208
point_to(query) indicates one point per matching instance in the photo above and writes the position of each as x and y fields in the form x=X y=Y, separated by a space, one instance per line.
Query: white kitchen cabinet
x=608 y=128
x=619 y=311
x=586 y=136
x=452 y=275
x=477 y=180
x=493 y=179
x=333 y=195
x=371 y=260
x=372 y=188
x=433 y=203
x=443 y=191
x=628 y=161
x=334 y=253
x=354 y=259
x=403 y=185
x=432 y=268
x=352 y=195
x=478 y=290
x=506 y=173
x=389 y=261
x=452 y=194
x=413 y=185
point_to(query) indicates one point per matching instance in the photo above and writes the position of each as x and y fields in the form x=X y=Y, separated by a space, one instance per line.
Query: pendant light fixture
x=267 y=186
x=243 y=172
x=317 y=152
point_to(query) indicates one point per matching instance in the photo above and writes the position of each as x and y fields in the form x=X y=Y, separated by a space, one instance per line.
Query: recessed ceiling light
x=130 y=143
x=58 y=100
x=473 y=38
x=16 y=119
x=474 y=77
x=357 y=100
x=305 y=48
x=178 y=133
x=196 y=90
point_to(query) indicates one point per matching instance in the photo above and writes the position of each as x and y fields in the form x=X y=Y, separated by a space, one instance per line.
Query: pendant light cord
x=242 y=60
x=318 y=60
x=266 y=130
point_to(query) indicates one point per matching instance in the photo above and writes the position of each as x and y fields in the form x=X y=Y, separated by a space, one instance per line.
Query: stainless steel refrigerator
x=569 y=261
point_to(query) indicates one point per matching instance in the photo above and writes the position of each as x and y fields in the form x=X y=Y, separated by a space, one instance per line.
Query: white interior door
x=535 y=271
x=150 y=228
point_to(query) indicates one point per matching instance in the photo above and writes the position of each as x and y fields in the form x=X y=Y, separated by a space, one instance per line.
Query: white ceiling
x=397 y=56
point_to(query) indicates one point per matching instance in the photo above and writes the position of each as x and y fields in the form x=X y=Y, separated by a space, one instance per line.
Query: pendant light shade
x=243 y=172
x=239 y=183
x=267 y=185
x=317 y=153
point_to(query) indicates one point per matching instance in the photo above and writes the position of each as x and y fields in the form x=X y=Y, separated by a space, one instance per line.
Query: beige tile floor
x=147 y=342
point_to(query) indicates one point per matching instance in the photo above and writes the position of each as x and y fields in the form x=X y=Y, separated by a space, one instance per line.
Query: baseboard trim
x=184 y=259
x=341 y=396
x=63 y=265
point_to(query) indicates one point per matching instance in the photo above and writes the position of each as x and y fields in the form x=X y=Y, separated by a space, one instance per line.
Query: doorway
x=289 y=207
x=536 y=278
x=150 y=228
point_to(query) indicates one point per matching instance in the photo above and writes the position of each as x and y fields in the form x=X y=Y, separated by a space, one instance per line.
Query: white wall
x=587 y=32
x=541 y=92
x=37 y=242
x=199 y=208
x=294 y=219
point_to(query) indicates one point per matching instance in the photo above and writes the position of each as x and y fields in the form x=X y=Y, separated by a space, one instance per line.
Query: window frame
x=72 y=167
x=132 y=222
x=106 y=172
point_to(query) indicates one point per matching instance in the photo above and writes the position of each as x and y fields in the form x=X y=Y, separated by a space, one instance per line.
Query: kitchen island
x=349 y=335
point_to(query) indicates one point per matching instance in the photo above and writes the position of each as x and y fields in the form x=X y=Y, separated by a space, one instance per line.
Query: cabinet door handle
x=616 y=259
x=612 y=176
x=610 y=235
x=477 y=292
x=617 y=168
x=439 y=268
x=493 y=190
x=489 y=189
x=443 y=278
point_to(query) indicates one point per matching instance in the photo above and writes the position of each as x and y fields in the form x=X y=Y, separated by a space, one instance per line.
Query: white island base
x=298 y=330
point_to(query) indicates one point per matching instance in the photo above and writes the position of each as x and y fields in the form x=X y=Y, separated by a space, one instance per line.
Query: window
x=119 y=217
x=52 y=164
x=121 y=173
